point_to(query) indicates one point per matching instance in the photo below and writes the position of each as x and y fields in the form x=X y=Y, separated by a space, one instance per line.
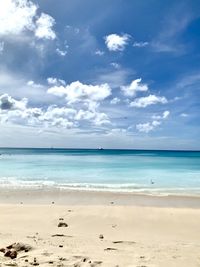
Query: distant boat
x=100 y=148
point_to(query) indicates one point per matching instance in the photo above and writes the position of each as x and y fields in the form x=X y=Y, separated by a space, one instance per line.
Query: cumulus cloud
x=135 y=86
x=150 y=126
x=144 y=127
x=20 y=16
x=147 y=127
x=85 y=99
x=8 y=103
x=18 y=112
x=143 y=102
x=115 y=42
x=79 y=92
x=44 y=26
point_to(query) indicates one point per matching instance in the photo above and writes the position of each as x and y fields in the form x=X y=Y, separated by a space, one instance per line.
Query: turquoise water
x=114 y=170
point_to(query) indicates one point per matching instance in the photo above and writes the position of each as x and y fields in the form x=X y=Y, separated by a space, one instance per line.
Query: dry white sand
x=134 y=235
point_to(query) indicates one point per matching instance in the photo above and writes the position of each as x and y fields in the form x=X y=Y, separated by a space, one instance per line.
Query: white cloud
x=21 y=16
x=61 y=53
x=79 y=92
x=150 y=126
x=115 y=42
x=17 y=112
x=85 y=99
x=8 y=103
x=16 y=16
x=115 y=65
x=1 y=47
x=44 y=27
x=140 y=44
x=101 y=119
x=58 y=112
x=115 y=101
x=147 y=127
x=166 y=114
x=134 y=87
x=143 y=102
x=144 y=127
x=55 y=81
x=156 y=123
x=184 y=115
x=34 y=85
x=99 y=52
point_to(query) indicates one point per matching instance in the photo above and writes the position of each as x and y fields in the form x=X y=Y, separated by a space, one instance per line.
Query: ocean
x=138 y=171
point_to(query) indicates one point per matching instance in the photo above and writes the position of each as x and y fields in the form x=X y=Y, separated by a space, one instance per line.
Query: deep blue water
x=147 y=171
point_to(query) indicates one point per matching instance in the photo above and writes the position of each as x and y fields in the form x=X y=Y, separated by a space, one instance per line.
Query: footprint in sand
x=85 y=260
x=124 y=242
x=110 y=249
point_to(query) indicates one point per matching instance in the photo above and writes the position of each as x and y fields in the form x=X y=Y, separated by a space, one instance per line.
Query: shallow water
x=143 y=171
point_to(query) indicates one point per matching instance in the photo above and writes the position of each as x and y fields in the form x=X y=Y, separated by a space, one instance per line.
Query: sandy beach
x=99 y=229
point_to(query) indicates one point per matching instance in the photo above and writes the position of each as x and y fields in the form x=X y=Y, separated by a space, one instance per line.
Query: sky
x=109 y=73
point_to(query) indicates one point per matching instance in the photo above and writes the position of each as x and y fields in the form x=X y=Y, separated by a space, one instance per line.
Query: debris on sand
x=19 y=247
x=62 y=224
x=101 y=236
x=12 y=250
x=34 y=263
x=11 y=253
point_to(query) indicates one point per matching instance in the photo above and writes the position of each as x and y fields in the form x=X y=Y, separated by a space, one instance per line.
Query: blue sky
x=110 y=73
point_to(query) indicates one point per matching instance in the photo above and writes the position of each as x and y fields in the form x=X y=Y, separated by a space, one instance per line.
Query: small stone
x=20 y=247
x=101 y=236
x=35 y=263
x=62 y=259
x=11 y=253
x=62 y=224
x=60 y=246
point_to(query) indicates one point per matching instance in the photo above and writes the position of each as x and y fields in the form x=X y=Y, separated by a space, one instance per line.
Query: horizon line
x=101 y=149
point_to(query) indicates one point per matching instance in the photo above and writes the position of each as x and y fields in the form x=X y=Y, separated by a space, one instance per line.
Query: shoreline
x=88 y=197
